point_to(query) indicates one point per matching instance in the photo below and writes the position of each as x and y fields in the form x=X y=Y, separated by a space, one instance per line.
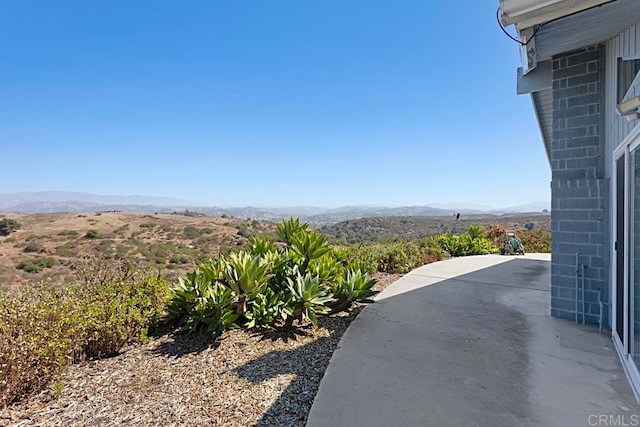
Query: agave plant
x=307 y=246
x=308 y=298
x=261 y=246
x=266 y=308
x=247 y=276
x=355 y=286
x=198 y=305
x=213 y=270
x=289 y=228
x=280 y=266
x=475 y=232
x=327 y=269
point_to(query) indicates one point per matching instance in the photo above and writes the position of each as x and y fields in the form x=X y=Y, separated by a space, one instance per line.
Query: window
x=627 y=71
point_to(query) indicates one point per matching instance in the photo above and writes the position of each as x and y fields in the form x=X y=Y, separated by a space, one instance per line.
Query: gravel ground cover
x=244 y=378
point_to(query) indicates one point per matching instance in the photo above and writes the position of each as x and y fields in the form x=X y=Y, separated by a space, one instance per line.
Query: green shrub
x=120 y=230
x=464 y=244
x=243 y=230
x=67 y=250
x=37 y=265
x=394 y=256
x=475 y=232
x=68 y=233
x=179 y=259
x=32 y=247
x=191 y=232
x=200 y=303
x=536 y=240
x=92 y=234
x=308 y=298
x=269 y=285
x=120 y=311
x=40 y=334
x=8 y=226
x=43 y=329
x=147 y=225
x=356 y=285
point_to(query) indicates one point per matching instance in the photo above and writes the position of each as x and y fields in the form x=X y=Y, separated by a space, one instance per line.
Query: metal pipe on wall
x=577 y=279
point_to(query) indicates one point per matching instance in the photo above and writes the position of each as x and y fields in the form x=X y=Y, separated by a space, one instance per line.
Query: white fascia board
x=527 y=13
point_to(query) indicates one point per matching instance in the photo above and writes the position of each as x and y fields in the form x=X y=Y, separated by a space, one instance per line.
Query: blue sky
x=268 y=103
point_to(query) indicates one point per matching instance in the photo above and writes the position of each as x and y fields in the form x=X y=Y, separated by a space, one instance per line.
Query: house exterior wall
x=586 y=131
x=579 y=191
x=626 y=45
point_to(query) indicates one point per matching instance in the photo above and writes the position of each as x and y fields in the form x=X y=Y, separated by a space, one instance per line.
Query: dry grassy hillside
x=46 y=245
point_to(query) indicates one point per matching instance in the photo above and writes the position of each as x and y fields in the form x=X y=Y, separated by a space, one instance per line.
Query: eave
x=527 y=13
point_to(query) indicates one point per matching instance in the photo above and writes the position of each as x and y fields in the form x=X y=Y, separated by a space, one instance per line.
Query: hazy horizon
x=154 y=200
x=267 y=103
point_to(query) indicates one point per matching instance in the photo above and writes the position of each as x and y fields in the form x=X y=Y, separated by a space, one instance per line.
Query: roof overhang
x=527 y=13
x=548 y=28
x=551 y=27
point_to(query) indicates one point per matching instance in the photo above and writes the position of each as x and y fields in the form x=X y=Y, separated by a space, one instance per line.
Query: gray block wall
x=578 y=187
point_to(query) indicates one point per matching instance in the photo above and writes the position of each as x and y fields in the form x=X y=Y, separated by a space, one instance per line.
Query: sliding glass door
x=626 y=258
x=634 y=253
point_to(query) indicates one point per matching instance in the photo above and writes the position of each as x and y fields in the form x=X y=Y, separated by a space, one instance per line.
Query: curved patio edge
x=469 y=341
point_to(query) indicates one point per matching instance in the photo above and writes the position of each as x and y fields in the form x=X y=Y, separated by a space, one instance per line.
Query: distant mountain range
x=62 y=201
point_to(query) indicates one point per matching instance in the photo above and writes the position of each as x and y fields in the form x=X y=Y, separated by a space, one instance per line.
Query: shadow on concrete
x=471 y=349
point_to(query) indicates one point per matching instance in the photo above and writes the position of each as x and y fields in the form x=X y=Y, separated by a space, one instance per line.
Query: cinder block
x=574 y=70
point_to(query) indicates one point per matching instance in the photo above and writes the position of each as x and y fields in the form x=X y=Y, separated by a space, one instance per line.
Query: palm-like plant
x=198 y=305
x=355 y=286
x=475 y=232
x=266 y=308
x=327 y=269
x=308 y=246
x=308 y=298
x=247 y=276
x=261 y=246
x=289 y=228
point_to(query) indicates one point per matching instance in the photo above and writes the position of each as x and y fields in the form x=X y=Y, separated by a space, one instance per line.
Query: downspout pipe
x=577 y=280
x=582 y=267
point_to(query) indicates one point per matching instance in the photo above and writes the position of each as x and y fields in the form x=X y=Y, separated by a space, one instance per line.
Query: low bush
x=121 y=230
x=269 y=285
x=8 y=226
x=68 y=233
x=43 y=329
x=32 y=247
x=37 y=265
x=92 y=234
x=68 y=249
x=39 y=334
x=394 y=256
x=536 y=240
x=533 y=240
x=190 y=232
x=473 y=242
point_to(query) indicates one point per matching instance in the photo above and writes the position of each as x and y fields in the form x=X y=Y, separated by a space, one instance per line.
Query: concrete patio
x=470 y=342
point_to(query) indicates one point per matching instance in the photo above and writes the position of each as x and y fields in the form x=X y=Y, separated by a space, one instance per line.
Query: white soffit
x=527 y=13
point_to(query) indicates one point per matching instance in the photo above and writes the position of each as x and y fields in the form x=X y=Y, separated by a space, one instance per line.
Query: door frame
x=624 y=345
x=621 y=341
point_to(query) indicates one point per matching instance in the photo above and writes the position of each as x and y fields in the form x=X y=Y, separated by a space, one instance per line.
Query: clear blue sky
x=268 y=103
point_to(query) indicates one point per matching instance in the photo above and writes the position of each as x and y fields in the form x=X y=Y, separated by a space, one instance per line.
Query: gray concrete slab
x=470 y=342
